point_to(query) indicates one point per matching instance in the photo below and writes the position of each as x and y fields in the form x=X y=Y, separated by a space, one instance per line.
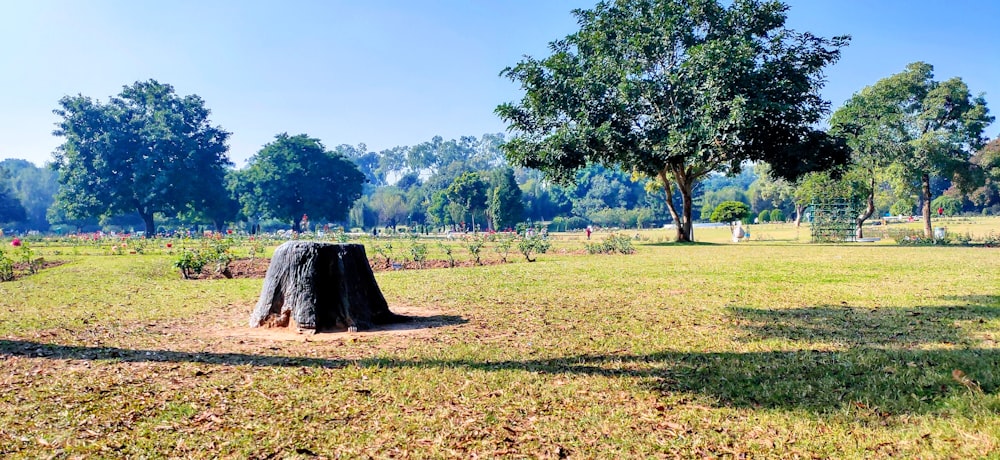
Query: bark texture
x=321 y=286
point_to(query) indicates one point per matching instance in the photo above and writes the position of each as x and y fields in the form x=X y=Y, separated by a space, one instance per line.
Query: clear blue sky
x=392 y=72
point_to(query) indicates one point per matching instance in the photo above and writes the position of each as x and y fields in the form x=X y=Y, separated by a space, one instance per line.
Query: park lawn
x=765 y=349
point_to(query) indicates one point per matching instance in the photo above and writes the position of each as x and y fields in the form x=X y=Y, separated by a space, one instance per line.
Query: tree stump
x=321 y=286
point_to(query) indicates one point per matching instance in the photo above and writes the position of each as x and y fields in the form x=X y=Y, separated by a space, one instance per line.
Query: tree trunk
x=688 y=206
x=869 y=210
x=147 y=221
x=321 y=286
x=925 y=191
x=799 y=208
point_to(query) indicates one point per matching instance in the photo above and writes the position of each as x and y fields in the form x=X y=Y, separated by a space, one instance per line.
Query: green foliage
x=295 y=176
x=951 y=205
x=145 y=151
x=730 y=211
x=902 y=207
x=383 y=250
x=469 y=192
x=6 y=266
x=11 y=209
x=613 y=244
x=447 y=250
x=216 y=251
x=673 y=102
x=776 y=216
x=190 y=261
x=505 y=205
x=418 y=252
x=475 y=245
x=533 y=243
x=920 y=126
x=764 y=216
x=503 y=242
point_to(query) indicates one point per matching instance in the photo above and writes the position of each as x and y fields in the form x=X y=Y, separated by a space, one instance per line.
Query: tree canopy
x=917 y=125
x=674 y=89
x=145 y=150
x=294 y=176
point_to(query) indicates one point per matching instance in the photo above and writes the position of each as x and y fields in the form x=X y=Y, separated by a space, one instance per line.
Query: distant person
x=738 y=232
x=940 y=211
x=589 y=231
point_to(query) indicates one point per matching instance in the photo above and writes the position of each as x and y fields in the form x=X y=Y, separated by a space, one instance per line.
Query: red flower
x=15 y=242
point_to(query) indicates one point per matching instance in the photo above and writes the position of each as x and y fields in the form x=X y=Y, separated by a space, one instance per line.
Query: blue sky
x=392 y=72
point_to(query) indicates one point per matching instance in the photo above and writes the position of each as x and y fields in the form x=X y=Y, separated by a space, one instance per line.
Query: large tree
x=468 y=191
x=295 y=176
x=11 y=210
x=919 y=126
x=987 y=161
x=146 y=150
x=35 y=187
x=504 y=204
x=674 y=89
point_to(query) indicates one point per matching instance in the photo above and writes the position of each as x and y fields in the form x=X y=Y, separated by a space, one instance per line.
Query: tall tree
x=674 y=89
x=35 y=187
x=923 y=127
x=505 y=206
x=295 y=176
x=145 y=150
x=469 y=192
x=987 y=161
x=11 y=210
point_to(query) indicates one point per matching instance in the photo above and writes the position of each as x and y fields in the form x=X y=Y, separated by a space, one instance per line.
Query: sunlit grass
x=768 y=348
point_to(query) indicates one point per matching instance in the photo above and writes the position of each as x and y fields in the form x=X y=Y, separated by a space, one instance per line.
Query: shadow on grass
x=891 y=361
x=860 y=327
x=881 y=381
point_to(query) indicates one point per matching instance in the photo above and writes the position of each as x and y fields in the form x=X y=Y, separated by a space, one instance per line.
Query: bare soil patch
x=422 y=322
x=22 y=269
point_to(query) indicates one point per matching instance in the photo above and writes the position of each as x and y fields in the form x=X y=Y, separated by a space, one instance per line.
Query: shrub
x=764 y=216
x=777 y=215
x=729 y=211
x=418 y=251
x=6 y=267
x=504 y=242
x=614 y=243
x=447 y=250
x=190 y=261
x=475 y=245
x=535 y=243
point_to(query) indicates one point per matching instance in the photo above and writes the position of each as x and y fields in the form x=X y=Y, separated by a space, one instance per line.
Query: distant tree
x=729 y=212
x=35 y=187
x=469 y=192
x=11 y=210
x=775 y=191
x=146 y=150
x=949 y=204
x=934 y=127
x=987 y=161
x=505 y=206
x=408 y=181
x=713 y=198
x=391 y=206
x=294 y=176
x=675 y=90
x=437 y=210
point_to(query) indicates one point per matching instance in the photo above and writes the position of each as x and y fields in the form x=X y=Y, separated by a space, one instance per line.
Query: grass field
x=771 y=348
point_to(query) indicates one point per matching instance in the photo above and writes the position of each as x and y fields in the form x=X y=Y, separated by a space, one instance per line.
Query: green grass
x=770 y=348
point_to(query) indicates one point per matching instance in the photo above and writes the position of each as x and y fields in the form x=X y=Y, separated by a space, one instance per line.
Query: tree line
x=636 y=119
